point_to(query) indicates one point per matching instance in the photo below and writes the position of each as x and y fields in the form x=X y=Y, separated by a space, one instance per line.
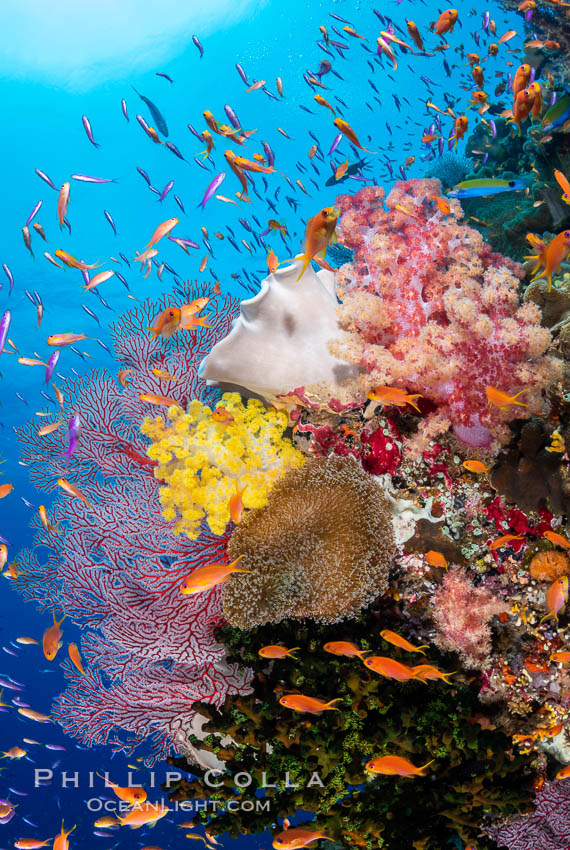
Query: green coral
x=476 y=777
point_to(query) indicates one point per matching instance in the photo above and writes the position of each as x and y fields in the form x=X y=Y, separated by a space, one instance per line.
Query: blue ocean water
x=44 y=96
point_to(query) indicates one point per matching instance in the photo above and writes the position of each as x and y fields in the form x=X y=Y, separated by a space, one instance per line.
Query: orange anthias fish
x=341 y=170
x=476 y=466
x=308 y=705
x=415 y=34
x=557 y=539
x=426 y=672
x=319 y=233
x=555 y=253
x=14 y=753
x=394 y=395
x=322 y=102
x=51 y=640
x=445 y=22
x=162 y=230
x=62 y=203
x=122 y=377
x=46 y=523
x=504 y=541
x=344 y=647
x=507 y=36
x=235 y=503
x=296 y=838
x=460 y=126
x=73 y=263
x=272 y=261
x=435 y=559
x=521 y=78
x=389 y=668
x=556 y=598
x=159 y=400
x=222 y=416
x=31 y=843
x=72 y=490
x=60 y=841
x=148 y=813
x=397 y=640
x=396 y=766
x=31 y=714
x=130 y=795
x=205 y=578
x=65 y=339
x=75 y=656
x=5 y=490
x=560 y=657
x=564 y=185
x=166 y=323
x=347 y=131
x=502 y=400
x=274 y=651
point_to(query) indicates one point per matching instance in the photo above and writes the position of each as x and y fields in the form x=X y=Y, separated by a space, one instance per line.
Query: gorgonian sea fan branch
x=116 y=567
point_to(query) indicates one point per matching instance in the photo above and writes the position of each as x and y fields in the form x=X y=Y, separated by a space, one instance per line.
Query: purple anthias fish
x=144 y=175
x=166 y=77
x=486 y=21
x=212 y=188
x=51 y=364
x=188 y=242
x=5 y=682
x=86 y=178
x=124 y=108
x=269 y=154
x=4 y=328
x=73 y=434
x=196 y=41
x=109 y=218
x=34 y=213
x=46 y=179
x=233 y=119
x=242 y=73
x=89 y=131
x=528 y=15
x=166 y=190
x=335 y=144
x=493 y=127
x=9 y=275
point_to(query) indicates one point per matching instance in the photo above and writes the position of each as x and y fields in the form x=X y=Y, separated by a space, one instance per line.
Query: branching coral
x=547 y=828
x=462 y=613
x=322 y=548
x=317 y=764
x=431 y=309
x=202 y=461
x=117 y=567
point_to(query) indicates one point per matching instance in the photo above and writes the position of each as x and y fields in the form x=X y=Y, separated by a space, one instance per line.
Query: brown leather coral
x=321 y=548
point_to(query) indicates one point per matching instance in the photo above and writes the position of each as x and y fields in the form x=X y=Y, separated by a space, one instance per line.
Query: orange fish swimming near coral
x=445 y=22
x=319 y=233
x=205 y=578
x=394 y=395
x=402 y=643
x=51 y=640
x=344 y=647
x=502 y=400
x=427 y=672
x=557 y=539
x=389 y=668
x=396 y=766
x=556 y=598
x=436 y=559
x=297 y=837
x=555 y=252
x=274 y=651
x=308 y=705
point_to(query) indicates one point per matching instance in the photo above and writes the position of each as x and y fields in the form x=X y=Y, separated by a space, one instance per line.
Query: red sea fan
x=462 y=613
x=116 y=568
x=547 y=828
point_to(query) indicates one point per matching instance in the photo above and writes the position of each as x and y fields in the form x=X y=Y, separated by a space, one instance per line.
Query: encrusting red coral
x=430 y=308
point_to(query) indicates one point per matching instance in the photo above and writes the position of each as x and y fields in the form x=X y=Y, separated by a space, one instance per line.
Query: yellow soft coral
x=201 y=462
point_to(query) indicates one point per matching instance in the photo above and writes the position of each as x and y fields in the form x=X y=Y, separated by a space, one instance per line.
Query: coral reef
x=316 y=764
x=202 y=462
x=547 y=566
x=462 y=613
x=443 y=321
x=450 y=169
x=279 y=344
x=321 y=548
x=117 y=566
x=547 y=828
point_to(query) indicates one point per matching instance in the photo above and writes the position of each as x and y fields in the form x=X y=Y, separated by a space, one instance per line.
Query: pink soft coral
x=430 y=308
x=462 y=612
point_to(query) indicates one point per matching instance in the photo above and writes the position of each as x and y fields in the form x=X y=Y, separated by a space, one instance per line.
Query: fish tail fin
x=293 y=649
x=422 y=647
x=546 y=617
x=333 y=707
x=425 y=766
x=305 y=266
